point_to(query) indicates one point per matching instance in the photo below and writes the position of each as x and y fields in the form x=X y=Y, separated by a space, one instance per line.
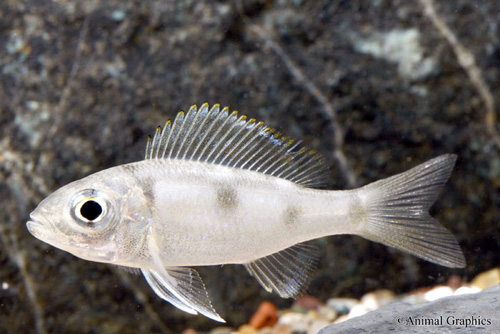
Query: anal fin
x=286 y=272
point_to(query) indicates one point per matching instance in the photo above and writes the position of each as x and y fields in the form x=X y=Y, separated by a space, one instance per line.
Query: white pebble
x=326 y=313
x=466 y=290
x=298 y=321
x=376 y=299
x=437 y=293
x=316 y=326
x=357 y=310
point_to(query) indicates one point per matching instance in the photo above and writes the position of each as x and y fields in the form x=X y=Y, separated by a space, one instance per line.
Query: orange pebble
x=265 y=316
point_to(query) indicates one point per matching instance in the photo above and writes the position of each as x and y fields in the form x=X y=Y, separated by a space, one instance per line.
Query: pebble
x=222 y=330
x=342 y=305
x=437 y=293
x=306 y=302
x=265 y=316
x=486 y=279
x=327 y=313
x=277 y=329
x=357 y=311
x=316 y=325
x=247 y=329
x=376 y=299
x=465 y=290
x=298 y=321
x=341 y=318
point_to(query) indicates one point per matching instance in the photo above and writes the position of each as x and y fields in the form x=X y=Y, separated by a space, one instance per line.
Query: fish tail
x=397 y=213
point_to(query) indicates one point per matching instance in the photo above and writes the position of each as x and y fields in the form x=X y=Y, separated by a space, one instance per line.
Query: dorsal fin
x=218 y=136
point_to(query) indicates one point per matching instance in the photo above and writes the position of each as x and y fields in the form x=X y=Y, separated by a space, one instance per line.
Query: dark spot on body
x=291 y=215
x=227 y=198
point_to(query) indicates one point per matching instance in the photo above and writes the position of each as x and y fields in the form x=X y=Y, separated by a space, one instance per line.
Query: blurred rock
x=472 y=313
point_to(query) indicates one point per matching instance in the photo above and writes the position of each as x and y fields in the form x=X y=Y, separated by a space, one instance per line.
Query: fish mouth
x=34 y=227
x=38 y=228
x=42 y=230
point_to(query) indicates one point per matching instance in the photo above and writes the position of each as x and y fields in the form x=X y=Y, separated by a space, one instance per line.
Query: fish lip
x=36 y=217
x=41 y=230
x=35 y=228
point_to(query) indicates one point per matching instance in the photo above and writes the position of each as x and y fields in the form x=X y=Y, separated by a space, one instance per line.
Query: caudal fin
x=398 y=213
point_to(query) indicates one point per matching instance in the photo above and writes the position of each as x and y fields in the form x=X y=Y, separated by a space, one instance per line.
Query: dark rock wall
x=375 y=86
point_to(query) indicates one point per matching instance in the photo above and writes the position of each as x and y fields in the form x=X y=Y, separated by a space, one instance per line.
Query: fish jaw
x=36 y=229
x=40 y=229
x=43 y=231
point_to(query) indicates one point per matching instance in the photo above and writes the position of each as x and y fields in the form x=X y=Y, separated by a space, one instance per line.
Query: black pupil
x=91 y=210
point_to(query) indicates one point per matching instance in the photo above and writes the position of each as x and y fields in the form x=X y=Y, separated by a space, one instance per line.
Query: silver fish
x=216 y=188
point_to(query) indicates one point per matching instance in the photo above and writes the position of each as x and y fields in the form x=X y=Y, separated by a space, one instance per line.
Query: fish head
x=89 y=218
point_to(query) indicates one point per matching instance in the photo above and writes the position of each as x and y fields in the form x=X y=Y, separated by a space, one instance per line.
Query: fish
x=216 y=188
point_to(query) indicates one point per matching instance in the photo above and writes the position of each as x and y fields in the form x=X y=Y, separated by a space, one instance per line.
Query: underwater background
x=376 y=87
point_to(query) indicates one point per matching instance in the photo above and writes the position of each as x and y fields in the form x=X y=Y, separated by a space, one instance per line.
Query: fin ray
x=181 y=286
x=163 y=291
x=286 y=272
x=398 y=213
x=218 y=136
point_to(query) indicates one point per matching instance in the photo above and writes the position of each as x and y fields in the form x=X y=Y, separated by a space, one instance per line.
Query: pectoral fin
x=183 y=288
x=286 y=272
x=180 y=286
x=162 y=289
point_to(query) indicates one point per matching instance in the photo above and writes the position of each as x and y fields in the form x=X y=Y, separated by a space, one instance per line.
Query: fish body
x=216 y=189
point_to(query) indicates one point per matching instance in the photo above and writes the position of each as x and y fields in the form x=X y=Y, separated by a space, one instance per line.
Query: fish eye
x=91 y=210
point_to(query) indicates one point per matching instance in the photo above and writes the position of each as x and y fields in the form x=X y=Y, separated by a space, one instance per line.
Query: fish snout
x=36 y=225
x=35 y=228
